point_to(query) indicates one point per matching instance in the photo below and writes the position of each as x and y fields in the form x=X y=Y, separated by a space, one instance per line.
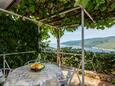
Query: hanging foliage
x=17 y=35
x=48 y=11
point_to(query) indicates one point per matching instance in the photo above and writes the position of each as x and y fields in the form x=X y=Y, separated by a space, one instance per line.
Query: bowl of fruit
x=37 y=67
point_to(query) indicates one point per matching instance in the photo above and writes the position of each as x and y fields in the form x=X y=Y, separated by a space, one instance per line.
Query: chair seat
x=67 y=80
x=63 y=81
x=2 y=78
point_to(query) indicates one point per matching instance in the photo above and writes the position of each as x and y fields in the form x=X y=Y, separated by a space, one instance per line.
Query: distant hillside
x=106 y=42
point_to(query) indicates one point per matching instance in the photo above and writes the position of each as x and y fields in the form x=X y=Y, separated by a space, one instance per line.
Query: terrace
x=72 y=15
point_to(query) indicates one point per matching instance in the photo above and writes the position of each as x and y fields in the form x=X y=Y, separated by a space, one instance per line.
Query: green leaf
x=103 y=8
x=32 y=8
x=99 y=2
x=83 y=2
x=113 y=6
x=42 y=1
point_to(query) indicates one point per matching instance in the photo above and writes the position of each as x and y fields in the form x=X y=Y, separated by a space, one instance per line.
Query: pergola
x=4 y=4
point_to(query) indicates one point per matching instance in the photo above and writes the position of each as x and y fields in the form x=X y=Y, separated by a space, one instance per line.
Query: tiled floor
x=88 y=81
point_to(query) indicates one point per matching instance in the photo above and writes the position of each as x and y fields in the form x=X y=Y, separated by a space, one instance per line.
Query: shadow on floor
x=99 y=84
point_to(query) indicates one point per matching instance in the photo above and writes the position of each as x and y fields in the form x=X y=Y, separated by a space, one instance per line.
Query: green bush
x=101 y=62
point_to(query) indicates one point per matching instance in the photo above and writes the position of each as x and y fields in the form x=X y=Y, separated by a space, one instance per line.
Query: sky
x=89 y=33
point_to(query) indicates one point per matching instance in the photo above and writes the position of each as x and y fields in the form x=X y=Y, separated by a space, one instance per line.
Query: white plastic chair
x=66 y=82
x=2 y=77
x=34 y=61
x=29 y=62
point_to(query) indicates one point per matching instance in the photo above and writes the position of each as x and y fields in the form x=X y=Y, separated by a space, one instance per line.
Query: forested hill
x=105 y=42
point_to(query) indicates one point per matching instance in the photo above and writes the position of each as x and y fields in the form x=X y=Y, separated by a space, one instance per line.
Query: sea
x=92 y=49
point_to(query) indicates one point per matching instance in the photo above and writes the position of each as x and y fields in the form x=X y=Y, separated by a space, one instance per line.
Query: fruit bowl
x=37 y=67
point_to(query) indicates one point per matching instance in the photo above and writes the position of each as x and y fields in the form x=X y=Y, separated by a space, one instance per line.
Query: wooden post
x=58 y=47
x=82 y=44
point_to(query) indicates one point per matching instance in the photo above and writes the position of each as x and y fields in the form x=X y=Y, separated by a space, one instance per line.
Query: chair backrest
x=31 y=61
x=70 y=75
x=2 y=78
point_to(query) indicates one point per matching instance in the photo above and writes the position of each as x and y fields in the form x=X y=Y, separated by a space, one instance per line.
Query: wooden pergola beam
x=5 y=4
x=53 y=21
x=69 y=26
x=61 y=13
x=89 y=16
x=70 y=10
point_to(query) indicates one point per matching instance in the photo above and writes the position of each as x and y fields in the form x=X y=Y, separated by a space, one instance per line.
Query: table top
x=23 y=76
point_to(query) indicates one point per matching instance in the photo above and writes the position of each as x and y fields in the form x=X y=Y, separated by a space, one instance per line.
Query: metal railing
x=5 y=63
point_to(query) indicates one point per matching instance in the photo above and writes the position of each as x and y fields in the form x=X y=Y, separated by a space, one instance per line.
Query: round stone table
x=23 y=76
